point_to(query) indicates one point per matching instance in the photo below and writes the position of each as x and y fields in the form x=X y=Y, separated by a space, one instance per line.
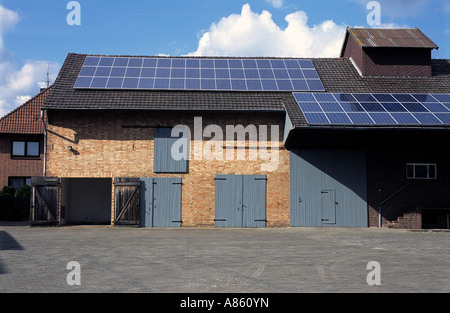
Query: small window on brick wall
x=25 y=149
x=421 y=171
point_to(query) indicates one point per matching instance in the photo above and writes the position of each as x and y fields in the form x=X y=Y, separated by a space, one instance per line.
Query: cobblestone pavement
x=189 y=260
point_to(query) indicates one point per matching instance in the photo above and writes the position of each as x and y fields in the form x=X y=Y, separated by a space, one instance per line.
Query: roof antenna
x=47 y=81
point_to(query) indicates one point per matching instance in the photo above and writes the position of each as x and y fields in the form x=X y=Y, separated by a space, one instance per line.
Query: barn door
x=240 y=201
x=160 y=202
x=44 y=201
x=228 y=201
x=254 y=201
x=126 y=201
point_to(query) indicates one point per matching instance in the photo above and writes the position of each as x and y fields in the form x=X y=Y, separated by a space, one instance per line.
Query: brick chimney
x=389 y=52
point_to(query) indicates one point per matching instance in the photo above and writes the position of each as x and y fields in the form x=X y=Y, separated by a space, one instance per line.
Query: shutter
x=254 y=195
x=163 y=160
x=44 y=201
x=126 y=201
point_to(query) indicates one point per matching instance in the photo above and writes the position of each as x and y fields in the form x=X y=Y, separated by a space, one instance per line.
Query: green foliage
x=23 y=192
x=8 y=191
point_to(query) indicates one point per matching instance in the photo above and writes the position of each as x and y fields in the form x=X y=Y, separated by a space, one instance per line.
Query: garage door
x=328 y=188
x=240 y=201
x=160 y=204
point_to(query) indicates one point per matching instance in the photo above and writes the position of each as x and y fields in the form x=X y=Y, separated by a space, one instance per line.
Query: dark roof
x=26 y=118
x=337 y=75
x=64 y=96
x=391 y=38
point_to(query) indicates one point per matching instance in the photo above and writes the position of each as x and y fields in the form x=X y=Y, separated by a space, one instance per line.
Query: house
x=354 y=141
x=22 y=143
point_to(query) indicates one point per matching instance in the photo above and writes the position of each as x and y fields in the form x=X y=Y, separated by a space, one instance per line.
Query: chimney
x=389 y=52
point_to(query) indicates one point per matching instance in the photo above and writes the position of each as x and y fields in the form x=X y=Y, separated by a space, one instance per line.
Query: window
x=164 y=160
x=25 y=148
x=18 y=182
x=421 y=171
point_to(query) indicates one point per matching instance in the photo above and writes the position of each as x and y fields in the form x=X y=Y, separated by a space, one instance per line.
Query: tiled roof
x=337 y=75
x=391 y=38
x=26 y=118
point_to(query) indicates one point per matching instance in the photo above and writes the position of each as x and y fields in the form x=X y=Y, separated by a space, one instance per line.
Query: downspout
x=45 y=143
x=380 y=206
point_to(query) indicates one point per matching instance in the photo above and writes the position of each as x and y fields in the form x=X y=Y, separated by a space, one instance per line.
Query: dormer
x=389 y=52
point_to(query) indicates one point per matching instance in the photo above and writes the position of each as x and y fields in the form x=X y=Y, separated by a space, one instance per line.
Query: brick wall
x=19 y=166
x=102 y=147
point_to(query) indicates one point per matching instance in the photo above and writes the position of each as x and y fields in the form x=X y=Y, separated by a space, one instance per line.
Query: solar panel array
x=374 y=109
x=199 y=74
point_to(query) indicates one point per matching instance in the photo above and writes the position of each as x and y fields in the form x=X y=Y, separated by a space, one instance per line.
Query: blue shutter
x=163 y=160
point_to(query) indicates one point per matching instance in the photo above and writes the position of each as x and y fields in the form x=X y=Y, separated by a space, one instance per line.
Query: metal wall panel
x=316 y=171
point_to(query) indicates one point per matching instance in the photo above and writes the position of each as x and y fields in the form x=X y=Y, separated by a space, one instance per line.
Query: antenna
x=47 y=80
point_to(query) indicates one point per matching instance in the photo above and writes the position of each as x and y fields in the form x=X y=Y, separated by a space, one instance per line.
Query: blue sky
x=34 y=35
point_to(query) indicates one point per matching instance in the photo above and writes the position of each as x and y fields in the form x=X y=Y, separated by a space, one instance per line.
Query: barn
x=354 y=141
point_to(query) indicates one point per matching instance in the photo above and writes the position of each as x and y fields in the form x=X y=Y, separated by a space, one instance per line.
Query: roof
x=337 y=75
x=390 y=38
x=26 y=118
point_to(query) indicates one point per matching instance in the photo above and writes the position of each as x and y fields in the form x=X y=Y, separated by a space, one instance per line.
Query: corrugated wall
x=315 y=174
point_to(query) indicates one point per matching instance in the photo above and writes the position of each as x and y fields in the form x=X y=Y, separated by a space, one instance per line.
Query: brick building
x=272 y=142
x=22 y=143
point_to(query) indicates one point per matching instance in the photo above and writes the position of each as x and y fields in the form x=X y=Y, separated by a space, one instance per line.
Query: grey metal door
x=160 y=202
x=240 y=201
x=328 y=204
x=328 y=188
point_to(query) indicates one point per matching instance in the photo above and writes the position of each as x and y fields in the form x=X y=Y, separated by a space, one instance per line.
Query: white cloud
x=8 y=19
x=276 y=3
x=253 y=34
x=18 y=84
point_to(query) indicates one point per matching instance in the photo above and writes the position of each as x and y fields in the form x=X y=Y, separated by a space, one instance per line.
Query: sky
x=37 y=35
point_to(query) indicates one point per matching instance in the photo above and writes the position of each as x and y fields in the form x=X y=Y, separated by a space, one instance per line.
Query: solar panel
x=198 y=74
x=374 y=109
